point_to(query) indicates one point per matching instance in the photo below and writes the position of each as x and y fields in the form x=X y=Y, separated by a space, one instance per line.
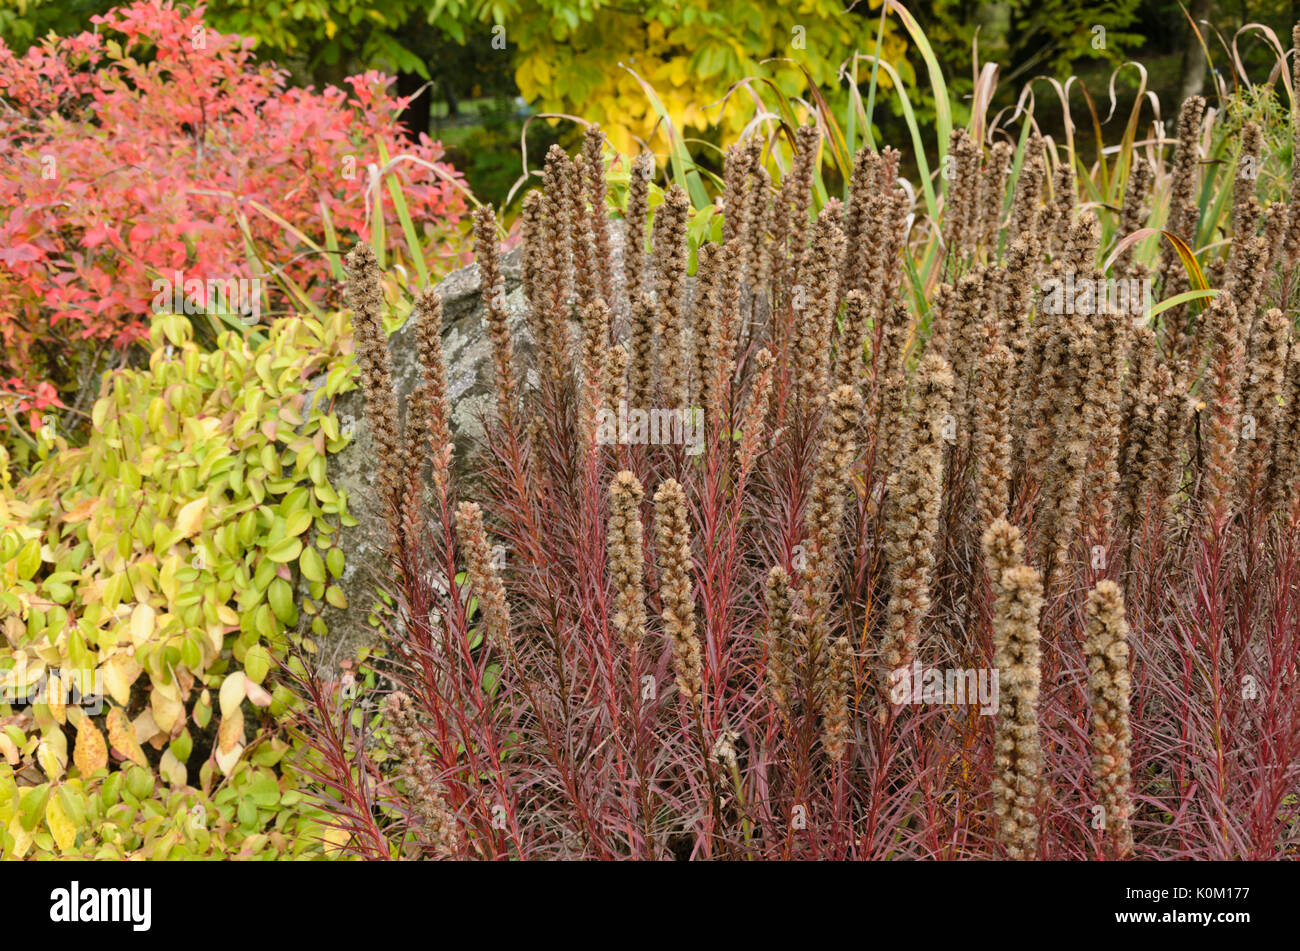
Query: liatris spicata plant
x=673 y=544
x=913 y=519
x=945 y=557
x=1106 y=648
x=1018 y=600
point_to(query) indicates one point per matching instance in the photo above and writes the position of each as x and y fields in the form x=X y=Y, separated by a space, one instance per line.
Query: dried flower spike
x=1106 y=647
x=627 y=559
x=673 y=545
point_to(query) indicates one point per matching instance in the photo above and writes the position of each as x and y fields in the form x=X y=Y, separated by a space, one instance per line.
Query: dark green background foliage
x=468 y=96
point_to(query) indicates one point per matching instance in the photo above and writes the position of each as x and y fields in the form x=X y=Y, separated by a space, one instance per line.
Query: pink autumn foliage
x=156 y=144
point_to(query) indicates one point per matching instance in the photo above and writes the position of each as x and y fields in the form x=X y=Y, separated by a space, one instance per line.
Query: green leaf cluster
x=165 y=567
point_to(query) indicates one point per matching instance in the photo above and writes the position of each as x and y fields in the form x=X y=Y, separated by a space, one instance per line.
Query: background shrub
x=162 y=558
x=157 y=144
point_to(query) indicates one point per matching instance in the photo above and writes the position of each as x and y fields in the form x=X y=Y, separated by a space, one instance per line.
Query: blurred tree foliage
x=577 y=56
x=327 y=38
x=1029 y=37
x=566 y=55
x=24 y=21
x=318 y=39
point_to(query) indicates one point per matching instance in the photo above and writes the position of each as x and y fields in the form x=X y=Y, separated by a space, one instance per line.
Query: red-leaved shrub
x=158 y=145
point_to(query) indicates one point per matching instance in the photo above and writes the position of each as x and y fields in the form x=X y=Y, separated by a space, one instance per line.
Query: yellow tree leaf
x=81 y=511
x=145 y=728
x=142 y=621
x=91 y=752
x=9 y=749
x=122 y=735
x=232 y=693
x=120 y=671
x=335 y=838
x=61 y=827
x=52 y=755
x=297 y=522
x=54 y=698
x=191 y=517
x=172 y=769
x=231 y=733
x=168 y=711
x=226 y=761
x=22 y=838
x=258 y=696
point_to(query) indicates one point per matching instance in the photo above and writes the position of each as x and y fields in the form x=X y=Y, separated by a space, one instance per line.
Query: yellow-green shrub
x=164 y=556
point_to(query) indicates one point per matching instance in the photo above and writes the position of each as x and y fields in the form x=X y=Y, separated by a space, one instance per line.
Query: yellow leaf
x=297 y=523
x=142 y=621
x=52 y=755
x=120 y=671
x=226 y=761
x=167 y=577
x=61 y=827
x=28 y=670
x=90 y=753
x=122 y=735
x=257 y=695
x=1188 y=257
x=168 y=711
x=55 y=699
x=81 y=511
x=191 y=517
x=232 y=693
x=22 y=838
x=171 y=689
x=9 y=749
x=145 y=728
x=172 y=769
x=231 y=732
x=230 y=742
x=334 y=838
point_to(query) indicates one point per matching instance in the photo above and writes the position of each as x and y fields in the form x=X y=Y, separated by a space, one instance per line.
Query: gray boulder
x=468 y=355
